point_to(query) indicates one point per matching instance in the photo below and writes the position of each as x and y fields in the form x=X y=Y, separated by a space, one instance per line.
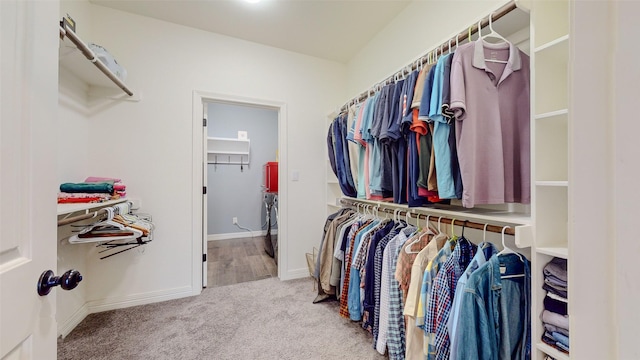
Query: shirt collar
x=514 y=63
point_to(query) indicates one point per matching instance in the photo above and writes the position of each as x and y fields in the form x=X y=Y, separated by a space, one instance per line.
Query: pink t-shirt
x=491 y=103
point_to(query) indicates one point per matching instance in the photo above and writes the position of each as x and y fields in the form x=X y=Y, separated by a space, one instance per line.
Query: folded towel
x=87 y=188
x=101 y=179
x=555 y=306
x=556 y=267
x=550 y=328
x=555 y=319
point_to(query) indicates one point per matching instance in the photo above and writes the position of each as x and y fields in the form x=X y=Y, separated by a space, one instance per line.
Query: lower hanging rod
x=510 y=230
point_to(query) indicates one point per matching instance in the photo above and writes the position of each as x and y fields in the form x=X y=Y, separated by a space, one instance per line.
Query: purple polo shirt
x=491 y=103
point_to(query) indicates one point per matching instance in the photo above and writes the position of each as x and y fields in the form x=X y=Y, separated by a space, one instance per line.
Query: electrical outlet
x=234 y=220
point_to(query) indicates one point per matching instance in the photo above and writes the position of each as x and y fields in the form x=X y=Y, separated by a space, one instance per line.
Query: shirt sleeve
x=457 y=88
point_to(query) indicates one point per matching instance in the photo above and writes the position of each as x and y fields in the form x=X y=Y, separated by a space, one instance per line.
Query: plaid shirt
x=396 y=340
x=344 y=306
x=377 y=272
x=441 y=297
x=405 y=261
x=423 y=316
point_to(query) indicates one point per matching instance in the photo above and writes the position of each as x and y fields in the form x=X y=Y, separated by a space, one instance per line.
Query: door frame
x=199 y=224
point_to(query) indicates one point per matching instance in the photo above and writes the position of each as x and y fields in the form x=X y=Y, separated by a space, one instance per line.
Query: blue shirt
x=446 y=186
x=353 y=296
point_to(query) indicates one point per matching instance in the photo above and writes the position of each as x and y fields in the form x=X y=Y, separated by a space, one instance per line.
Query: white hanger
x=428 y=231
x=492 y=33
x=449 y=50
x=457 y=41
x=507 y=250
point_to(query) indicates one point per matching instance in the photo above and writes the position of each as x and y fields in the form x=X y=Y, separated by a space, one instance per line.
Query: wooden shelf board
x=64 y=209
x=558 y=42
x=551 y=114
x=560 y=183
x=553 y=352
x=561 y=252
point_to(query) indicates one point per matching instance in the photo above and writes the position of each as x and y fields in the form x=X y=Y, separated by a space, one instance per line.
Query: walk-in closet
x=400 y=179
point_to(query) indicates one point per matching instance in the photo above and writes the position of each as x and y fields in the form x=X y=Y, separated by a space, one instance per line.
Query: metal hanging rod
x=66 y=31
x=473 y=29
x=446 y=220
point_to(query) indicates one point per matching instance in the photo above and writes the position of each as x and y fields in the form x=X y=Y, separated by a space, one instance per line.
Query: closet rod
x=504 y=10
x=91 y=56
x=466 y=223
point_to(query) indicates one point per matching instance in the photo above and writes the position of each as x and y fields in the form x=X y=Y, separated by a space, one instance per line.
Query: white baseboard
x=295 y=274
x=239 y=235
x=73 y=321
x=139 y=299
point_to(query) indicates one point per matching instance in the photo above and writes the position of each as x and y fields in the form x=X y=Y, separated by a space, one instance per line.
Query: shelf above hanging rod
x=91 y=57
x=520 y=229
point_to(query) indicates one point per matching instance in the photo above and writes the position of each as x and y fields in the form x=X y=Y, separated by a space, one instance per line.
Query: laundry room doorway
x=242 y=216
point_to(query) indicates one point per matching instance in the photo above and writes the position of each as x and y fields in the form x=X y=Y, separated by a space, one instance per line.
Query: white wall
x=626 y=76
x=417 y=29
x=149 y=143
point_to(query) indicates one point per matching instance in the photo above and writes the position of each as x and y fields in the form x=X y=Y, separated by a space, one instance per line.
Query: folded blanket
x=101 y=179
x=556 y=267
x=87 y=188
x=555 y=306
x=555 y=319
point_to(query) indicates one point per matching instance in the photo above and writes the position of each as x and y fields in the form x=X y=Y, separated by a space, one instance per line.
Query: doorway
x=242 y=218
x=236 y=223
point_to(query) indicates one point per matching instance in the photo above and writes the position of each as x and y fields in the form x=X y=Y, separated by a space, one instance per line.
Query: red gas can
x=270 y=176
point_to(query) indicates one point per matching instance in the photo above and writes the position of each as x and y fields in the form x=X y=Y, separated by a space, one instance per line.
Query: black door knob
x=69 y=280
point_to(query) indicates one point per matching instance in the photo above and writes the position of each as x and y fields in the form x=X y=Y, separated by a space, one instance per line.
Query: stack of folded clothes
x=92 y=190
x=555 y=316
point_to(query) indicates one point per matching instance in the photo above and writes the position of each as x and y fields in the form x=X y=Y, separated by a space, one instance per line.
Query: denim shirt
x=495 y=319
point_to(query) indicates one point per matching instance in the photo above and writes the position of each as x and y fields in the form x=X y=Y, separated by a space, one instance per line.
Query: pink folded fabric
x=119 y=187
x=121 y=193
x=101 y=179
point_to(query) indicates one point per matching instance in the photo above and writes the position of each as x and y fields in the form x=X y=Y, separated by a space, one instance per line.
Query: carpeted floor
x=264 y=319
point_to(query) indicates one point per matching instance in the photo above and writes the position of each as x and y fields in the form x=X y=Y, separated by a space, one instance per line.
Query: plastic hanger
x=507 y=250
x=492 y=33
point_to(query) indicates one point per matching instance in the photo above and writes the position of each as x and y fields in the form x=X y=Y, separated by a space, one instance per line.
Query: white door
x=28 y=113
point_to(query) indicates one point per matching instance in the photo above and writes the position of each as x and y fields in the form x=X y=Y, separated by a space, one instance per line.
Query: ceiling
x=328 y=29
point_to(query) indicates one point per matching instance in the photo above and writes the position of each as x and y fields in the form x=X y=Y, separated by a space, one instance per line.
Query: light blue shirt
x=485 y=251
x=446 y=187
x=353 y=296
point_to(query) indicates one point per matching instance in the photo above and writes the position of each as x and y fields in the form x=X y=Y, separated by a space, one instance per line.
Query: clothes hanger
x=507 y=250
x=106 y=230
x=427 y=231
x=492 y=33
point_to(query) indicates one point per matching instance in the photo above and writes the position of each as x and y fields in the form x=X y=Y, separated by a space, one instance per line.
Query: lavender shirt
x=491 y=104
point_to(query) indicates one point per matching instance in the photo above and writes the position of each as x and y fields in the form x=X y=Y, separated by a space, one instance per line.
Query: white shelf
x=553 y=352
x=78 y=59
x=560 y=183
x=559 y=43
x=64 y=209
x=551 y=114
x=561 y=252
x=228 y=151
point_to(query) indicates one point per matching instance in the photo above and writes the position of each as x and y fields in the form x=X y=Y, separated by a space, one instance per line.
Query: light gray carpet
x=264 y=319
